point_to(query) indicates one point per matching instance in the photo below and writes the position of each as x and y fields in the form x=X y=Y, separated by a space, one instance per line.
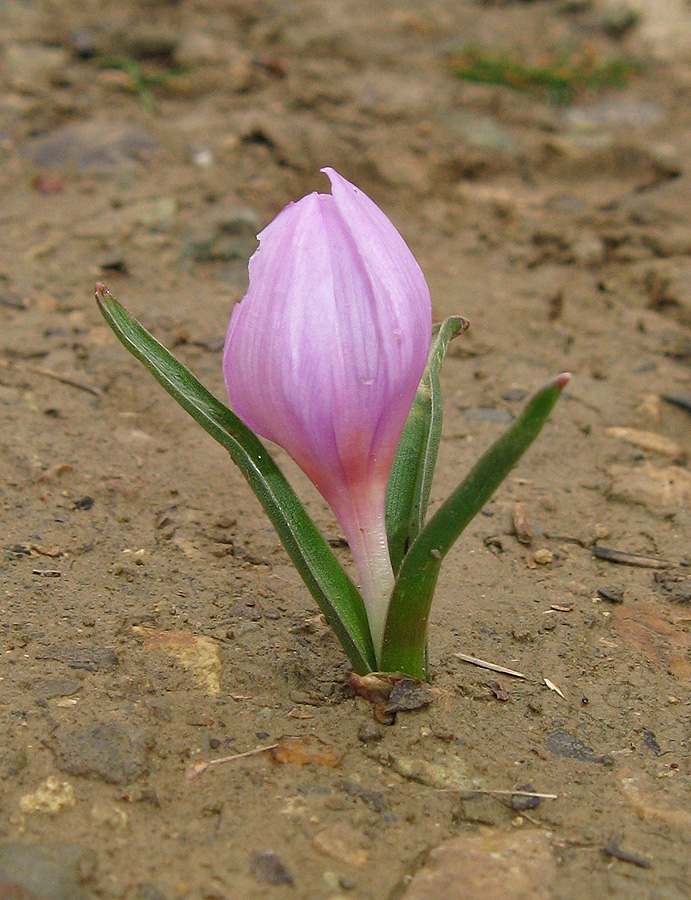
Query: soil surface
x=150 y=619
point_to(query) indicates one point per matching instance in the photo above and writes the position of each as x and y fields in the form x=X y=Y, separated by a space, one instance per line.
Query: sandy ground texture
x=150 y=619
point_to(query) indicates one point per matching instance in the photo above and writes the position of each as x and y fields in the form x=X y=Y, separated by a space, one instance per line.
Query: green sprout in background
x=563 y=77
x=140 y=80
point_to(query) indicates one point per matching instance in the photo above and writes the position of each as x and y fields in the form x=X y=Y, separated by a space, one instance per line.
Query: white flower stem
x=369 y=545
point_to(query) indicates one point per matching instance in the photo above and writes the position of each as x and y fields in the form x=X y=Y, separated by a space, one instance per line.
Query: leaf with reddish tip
x=405 y=633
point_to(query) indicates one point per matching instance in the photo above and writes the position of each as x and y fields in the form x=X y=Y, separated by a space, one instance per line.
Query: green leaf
x=328 y=583
x=405 y=632
x=410 y=481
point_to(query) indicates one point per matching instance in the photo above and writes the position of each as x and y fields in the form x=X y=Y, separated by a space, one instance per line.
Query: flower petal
x=324 y=353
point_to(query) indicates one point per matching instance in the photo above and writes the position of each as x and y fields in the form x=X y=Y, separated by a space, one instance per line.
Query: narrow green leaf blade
x=328 y=583
x=405 y=633
x=410 y=481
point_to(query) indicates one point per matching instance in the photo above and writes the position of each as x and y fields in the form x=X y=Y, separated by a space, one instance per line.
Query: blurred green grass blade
x=328 y=583
x=410 y=481
x=405 y=633
x=563 y=76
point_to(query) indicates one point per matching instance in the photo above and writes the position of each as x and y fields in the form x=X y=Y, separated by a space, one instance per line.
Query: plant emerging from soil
x=333 y=356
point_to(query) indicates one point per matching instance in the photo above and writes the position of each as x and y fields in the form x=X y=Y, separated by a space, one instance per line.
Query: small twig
x=629 y=559
x=47 y=573
x=533 y=821
x=63 y=379
x=470 y=791
x=612 y=849
x=196 y=768
x=552 y=686
x=518 y=794
x=473 y=660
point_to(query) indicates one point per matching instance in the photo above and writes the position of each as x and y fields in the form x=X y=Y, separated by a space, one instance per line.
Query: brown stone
x=491 y=864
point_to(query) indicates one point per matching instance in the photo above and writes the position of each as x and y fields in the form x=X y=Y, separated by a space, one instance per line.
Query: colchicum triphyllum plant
x=332 y=355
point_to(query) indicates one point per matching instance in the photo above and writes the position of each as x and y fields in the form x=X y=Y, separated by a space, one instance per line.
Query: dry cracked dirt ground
x=149 y=617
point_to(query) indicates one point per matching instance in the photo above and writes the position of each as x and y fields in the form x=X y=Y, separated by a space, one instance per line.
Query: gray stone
x=566 y=746
x=89 y=146
x=48 y=688
x=115 y=752
x=269 y=868
x=44 y=873
x=89 y=659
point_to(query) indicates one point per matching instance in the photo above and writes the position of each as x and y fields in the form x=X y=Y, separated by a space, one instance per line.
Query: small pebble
x=202 y=157
x=83 y=43
x=370 y=733
x=269 y=868
x=408 y=694
x=521 y=803
x=612 y=595
x=543 y=557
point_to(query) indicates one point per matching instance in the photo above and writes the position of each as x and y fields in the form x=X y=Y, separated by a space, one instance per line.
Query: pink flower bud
x=324 y=355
